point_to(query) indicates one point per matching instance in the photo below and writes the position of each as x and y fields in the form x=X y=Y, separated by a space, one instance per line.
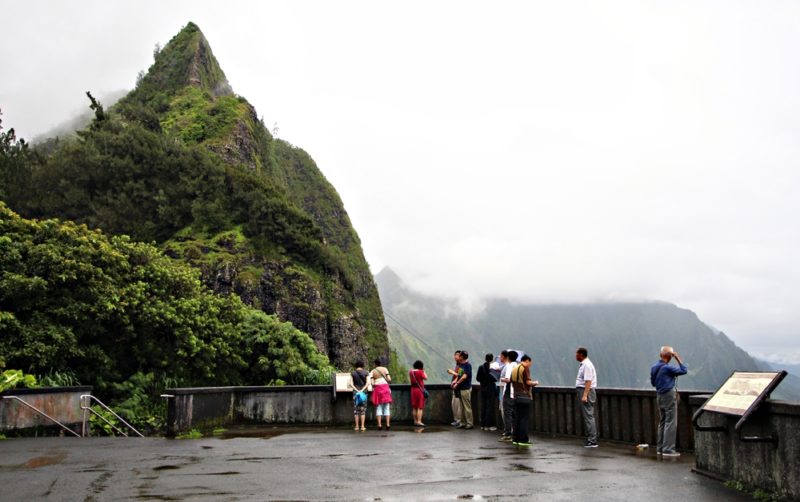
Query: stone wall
x=769 y=466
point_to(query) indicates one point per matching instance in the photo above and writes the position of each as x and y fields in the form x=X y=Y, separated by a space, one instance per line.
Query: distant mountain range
x=623 y=338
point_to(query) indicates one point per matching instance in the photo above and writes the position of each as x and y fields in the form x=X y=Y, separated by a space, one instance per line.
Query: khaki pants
x=455 y=403
x=466 y=407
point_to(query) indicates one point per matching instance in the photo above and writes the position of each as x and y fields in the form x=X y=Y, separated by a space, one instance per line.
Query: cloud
x=531 y=151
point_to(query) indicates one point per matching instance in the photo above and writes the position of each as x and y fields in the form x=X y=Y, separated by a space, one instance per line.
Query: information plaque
x=741 y=391
x=740 y=396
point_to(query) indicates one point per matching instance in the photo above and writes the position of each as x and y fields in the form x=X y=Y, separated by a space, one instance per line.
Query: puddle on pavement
x=168 y=467
x=262 y=432
x=475 y=458
x=43 y=461
x=526 y=468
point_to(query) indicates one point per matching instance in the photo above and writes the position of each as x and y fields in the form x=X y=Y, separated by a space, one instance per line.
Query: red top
x=417 y=380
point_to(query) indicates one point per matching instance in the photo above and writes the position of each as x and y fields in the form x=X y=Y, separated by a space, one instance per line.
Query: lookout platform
x=337 y=463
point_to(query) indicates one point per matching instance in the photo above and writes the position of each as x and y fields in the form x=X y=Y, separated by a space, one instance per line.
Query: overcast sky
x=540 y=151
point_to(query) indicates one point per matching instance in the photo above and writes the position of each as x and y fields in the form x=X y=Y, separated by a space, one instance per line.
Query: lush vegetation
x=179 y=172
x=123 y=317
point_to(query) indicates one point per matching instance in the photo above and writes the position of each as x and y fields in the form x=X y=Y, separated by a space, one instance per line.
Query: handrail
x=40 y=412
x=89 y=398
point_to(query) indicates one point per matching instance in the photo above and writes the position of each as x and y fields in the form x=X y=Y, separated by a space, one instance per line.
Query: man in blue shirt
x=462 y=384
x=662 y=377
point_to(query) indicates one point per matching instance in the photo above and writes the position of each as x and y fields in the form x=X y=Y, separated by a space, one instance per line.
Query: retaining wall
x=622 y=414
x=61 y=403
x=770 y=466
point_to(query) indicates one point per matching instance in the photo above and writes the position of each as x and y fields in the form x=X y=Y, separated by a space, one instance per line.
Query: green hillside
x=623 y=338
x=183 y=162
x=122 y=317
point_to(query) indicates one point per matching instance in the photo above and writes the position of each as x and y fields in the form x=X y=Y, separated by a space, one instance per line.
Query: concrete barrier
x=765 y=465
x=625 y=415
x=61 y=403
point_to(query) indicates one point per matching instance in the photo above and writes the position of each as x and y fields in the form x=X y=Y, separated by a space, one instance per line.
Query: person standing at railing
x=417 y=378
x=359 y=381
x=509 y=359
x=462 y=385
x=663 y=377
x=523 y=398
x=488 y=393
x=381 y=393
x=586 y=385
x=455 y=402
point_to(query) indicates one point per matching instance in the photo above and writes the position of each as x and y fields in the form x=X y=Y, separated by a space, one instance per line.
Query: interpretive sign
x=341 y=381
x=742 y=391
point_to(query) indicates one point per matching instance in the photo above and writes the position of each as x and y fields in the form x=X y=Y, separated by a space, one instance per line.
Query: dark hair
x=457 y=352
x=489 y=358
x=377 y=361
x=464 y=355
x=504 y=354
x=359 y=364
x=512 y=355
x=582 y=351
x=418 y=365
x=526 y=357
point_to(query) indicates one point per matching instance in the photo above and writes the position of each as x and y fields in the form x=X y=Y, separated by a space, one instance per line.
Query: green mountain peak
x=186 y=60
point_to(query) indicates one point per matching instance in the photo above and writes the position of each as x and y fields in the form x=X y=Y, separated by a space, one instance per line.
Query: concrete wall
x=622 y=414
x=61 y=403
x=770 y=466
x=307 y=404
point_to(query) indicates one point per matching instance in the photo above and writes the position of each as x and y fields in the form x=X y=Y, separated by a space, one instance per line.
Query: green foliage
x=16 y=159
x=11 y=379
x=124 y=318
x=103 y=426
x=195 y=116
x=184 y=163
x=55 y=378
x=192 y=434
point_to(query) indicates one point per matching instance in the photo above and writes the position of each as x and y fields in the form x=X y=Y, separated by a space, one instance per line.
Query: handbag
x=424 y=390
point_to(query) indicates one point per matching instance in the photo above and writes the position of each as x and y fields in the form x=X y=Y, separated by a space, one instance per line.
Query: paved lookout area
x=340 y=464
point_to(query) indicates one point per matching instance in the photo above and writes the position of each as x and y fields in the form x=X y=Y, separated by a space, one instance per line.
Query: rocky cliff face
x=338 y=305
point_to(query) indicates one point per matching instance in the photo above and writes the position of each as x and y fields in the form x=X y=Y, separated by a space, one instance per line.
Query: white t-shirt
x=507 y=369
x=586 y=372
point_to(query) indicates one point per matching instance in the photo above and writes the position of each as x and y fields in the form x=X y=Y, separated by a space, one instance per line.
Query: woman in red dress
x=417 y=378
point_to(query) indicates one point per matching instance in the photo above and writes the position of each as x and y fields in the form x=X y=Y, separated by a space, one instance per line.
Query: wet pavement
x=340 y=464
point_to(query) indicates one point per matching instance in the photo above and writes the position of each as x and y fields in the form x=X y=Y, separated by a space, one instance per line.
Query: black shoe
x=590 y=444
x=388 y=427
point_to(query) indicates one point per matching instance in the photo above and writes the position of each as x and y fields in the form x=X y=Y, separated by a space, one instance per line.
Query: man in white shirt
x=509 y=358
x=586 y=383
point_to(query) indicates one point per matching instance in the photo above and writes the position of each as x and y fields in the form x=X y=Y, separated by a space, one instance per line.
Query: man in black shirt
x=488 y=394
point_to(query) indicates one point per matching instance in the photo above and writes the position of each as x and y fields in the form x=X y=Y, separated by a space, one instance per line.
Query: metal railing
x=86 y=401
x=40 y=412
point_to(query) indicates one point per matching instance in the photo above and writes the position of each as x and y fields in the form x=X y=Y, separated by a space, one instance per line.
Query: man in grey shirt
x=586 y=385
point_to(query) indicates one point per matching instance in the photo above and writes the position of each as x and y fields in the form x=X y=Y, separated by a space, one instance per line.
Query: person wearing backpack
x=359 y=381
x=663 y=377
x=417 y=378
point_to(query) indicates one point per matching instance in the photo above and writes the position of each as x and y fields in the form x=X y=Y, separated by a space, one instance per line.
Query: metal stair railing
x=86 y=401
x=40 y=412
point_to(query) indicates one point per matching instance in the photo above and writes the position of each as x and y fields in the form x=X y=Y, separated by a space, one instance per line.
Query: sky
x=537 y=151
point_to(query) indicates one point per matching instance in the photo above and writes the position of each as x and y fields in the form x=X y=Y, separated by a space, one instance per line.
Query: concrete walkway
x=340 y=464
